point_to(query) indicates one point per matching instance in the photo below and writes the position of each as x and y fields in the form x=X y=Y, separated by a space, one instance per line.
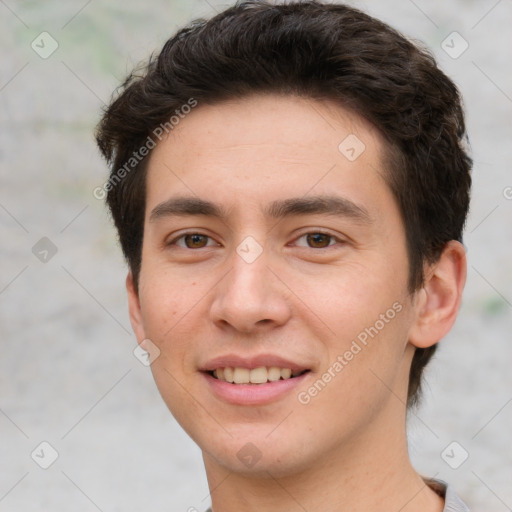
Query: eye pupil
x=195 y=241
x=315 y=240
x=318 y=240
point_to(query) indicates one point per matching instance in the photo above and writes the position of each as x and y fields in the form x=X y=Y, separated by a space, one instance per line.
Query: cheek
x=166 y=313
x=167 y=301
x=365 y=310
x=365 y=370
x=174 y=308
x=163 y=315
x=160 y=313
x=351 y=296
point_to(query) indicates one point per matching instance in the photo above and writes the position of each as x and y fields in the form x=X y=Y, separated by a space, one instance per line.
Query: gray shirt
x=452 y=503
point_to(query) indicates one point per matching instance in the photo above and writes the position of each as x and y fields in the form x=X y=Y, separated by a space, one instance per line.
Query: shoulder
x=452 y=502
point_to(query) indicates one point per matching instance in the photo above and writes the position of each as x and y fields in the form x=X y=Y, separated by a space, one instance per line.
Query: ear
x=134 y=308
x=438 y=302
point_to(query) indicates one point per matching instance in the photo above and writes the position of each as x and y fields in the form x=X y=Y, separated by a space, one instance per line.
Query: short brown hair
x=320 y=51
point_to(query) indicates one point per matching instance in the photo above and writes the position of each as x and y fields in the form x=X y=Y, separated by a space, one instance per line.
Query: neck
x=372 y=472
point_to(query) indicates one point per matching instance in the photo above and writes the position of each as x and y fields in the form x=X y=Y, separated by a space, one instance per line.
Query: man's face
x=299 y=263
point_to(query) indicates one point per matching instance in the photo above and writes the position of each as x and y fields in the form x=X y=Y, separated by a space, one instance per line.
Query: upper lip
x=257 y=361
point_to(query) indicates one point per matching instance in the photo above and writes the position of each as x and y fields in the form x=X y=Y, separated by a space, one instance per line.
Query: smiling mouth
x=260 y=375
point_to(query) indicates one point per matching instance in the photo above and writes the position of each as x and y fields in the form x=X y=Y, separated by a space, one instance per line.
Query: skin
x=346 y=449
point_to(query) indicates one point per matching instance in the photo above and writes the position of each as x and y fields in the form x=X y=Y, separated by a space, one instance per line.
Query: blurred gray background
x=68 y=376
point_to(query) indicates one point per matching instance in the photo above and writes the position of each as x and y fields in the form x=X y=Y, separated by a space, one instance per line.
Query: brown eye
x=318 y=240
x=195 y=241
x=192 y=241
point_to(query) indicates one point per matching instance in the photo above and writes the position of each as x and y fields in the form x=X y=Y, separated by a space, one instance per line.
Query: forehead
x=252 y=151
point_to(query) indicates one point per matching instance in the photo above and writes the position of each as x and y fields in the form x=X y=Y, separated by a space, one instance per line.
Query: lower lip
x=253 y=394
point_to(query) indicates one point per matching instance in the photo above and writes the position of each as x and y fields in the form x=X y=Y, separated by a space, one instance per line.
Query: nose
x=250 y=298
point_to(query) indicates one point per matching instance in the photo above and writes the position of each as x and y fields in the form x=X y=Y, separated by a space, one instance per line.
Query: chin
x=255 y=453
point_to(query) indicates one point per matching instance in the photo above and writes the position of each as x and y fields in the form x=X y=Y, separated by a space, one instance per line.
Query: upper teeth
x=255 y=376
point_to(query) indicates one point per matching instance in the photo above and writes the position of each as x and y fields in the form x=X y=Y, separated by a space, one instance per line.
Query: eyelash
x=191 y=233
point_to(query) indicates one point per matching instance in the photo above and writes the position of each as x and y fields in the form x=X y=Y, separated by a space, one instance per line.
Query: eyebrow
x=323 y=205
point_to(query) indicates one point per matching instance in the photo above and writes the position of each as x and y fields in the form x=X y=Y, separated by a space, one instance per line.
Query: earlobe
x=438 y=302
x=134 y=308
